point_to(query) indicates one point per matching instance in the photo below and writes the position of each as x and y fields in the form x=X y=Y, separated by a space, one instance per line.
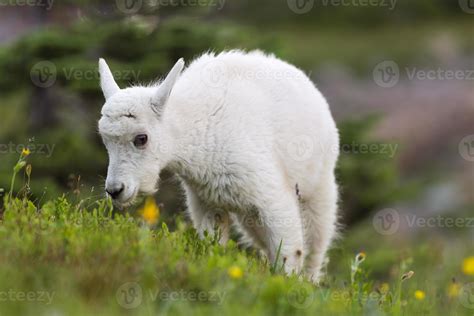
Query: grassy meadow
x=75 y=257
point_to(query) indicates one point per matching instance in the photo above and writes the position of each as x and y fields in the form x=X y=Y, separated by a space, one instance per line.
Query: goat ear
x=107 y=81
x=164 y=90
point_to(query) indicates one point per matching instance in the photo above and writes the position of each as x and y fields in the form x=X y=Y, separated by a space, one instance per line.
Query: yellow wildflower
x=468 y=266
x=235 y=272
x=420 y=295
x=454 y=289
x=25 y=152
x=150 y=211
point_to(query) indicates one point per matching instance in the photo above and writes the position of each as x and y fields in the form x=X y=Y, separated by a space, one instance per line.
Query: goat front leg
x=214 y=221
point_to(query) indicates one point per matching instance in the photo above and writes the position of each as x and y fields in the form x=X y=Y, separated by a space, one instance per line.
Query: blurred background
x=399 y=76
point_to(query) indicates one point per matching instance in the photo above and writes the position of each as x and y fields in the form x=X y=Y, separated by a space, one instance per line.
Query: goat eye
x=140 y=140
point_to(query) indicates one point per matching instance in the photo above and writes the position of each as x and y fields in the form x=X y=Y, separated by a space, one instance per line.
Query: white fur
x=244 y=132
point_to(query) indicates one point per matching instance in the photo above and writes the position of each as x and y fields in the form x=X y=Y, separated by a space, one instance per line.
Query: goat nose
x=115 y=191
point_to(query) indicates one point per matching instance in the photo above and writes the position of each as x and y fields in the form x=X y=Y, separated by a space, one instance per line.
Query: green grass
x=63 y=258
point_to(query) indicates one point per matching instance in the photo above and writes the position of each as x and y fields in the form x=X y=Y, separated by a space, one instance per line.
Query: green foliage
x=93 y=260
x=82 y=257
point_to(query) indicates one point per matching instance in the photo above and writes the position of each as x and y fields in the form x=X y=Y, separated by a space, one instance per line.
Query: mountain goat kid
x=252 y=140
